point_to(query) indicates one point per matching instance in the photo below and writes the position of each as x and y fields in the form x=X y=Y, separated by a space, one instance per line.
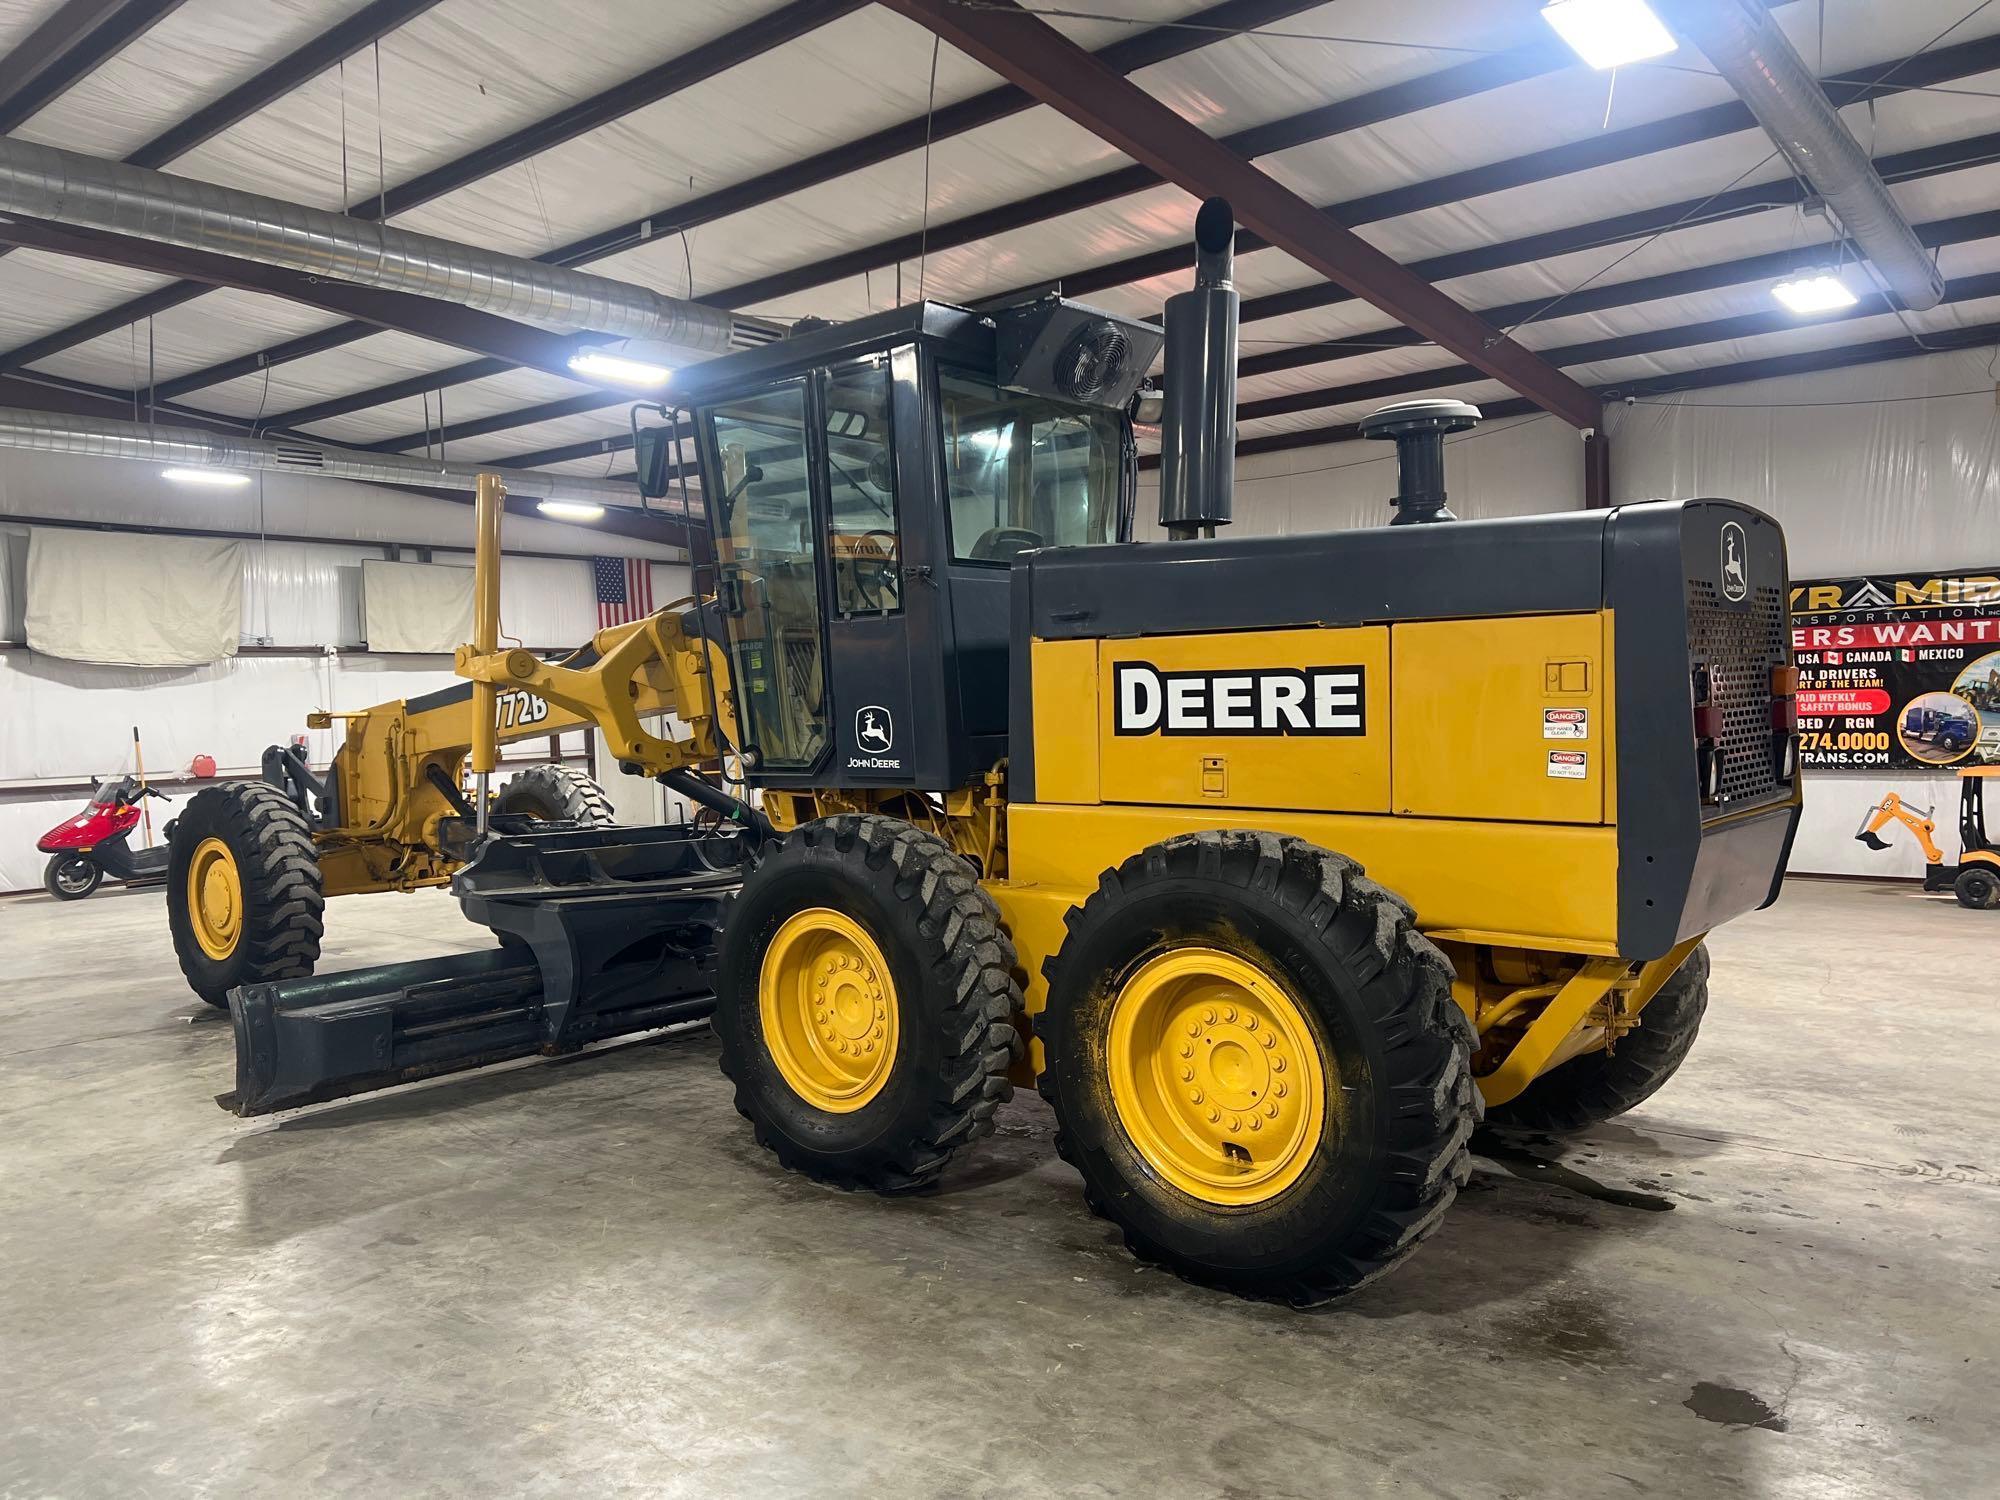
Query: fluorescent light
x=225 y=479
x=1609 y=33
x=570 y=510
x=1813 y=292
x=601 y=366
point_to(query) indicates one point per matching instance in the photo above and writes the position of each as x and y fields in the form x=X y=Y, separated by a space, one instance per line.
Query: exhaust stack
x=1198 y=424
x=1417 y=428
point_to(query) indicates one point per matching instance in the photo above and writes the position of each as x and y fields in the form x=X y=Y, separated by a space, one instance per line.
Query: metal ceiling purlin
x=1928 y=161
x=1618 y=346
x=444 y=322
x=1416 y=382
x=71 y=44
x=1064 y=76
x=1606 y=296
x=1608 y=148
x=1804 y=362
x=71 y=401
x=1133 y=53
x=657 y=83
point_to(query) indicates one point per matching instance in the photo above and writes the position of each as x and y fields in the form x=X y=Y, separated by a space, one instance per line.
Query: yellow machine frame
x=1538 y=972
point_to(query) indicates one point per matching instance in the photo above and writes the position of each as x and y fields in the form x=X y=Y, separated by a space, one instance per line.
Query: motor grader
x=251 y=863
x=1274 y=862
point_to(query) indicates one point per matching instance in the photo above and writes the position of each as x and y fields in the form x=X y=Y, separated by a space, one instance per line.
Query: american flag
x=624 y=589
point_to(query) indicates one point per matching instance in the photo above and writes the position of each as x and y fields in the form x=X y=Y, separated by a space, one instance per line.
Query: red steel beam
x=1035 y=57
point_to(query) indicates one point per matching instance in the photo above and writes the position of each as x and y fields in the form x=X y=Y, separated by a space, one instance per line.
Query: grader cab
x=1273 y=862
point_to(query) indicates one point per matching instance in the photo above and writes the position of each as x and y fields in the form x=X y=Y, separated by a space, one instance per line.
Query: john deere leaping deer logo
x=1735 y=563
x=874 y=730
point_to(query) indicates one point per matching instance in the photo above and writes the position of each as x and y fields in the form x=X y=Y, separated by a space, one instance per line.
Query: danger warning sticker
x=1571 y=765
x=1565 y=724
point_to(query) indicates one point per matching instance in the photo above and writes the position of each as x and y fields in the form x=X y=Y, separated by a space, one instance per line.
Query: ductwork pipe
x=68 y=188
x=191 y=447
x=1751 y=52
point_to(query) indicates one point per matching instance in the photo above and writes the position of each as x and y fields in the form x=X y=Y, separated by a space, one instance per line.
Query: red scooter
x=86 y=848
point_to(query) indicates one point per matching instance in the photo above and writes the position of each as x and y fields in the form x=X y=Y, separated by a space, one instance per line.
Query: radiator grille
x=1740 y=647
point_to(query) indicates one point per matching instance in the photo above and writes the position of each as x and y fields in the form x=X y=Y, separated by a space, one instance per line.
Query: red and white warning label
x=1565 y=724
x=1571 y=765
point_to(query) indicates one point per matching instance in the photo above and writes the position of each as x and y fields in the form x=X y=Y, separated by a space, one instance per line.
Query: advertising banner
x=1898 y=671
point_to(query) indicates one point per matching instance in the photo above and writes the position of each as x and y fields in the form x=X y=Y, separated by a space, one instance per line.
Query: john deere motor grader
x=251 y=863
x=1038 y=803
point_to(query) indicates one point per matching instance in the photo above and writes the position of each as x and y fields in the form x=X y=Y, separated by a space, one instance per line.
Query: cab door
x=876 y=735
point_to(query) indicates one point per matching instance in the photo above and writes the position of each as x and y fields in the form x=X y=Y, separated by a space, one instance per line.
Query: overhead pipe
x=1750 y=51
x=193 y=447
x=67 y=187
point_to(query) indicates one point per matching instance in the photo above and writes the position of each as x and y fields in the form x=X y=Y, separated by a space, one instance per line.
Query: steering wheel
x=1004 y=543
x=875 y=575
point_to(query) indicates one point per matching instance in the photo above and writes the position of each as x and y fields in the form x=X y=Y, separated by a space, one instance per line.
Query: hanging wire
x=1598 y=275
x=381 y=155
x=930 y=119
x=343 y=135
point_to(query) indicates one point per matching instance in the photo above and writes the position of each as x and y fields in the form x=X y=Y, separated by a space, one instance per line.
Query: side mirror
x=653 y=456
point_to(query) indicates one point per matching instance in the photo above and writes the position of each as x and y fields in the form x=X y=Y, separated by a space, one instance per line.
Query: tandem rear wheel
x=1257 y=1065
x=864 y=1003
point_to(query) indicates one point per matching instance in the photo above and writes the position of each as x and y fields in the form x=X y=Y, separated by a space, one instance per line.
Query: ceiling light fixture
x=1609 y=33
x=222 y=479
x=1814 y=292
x=619 y=370
x=570 y=510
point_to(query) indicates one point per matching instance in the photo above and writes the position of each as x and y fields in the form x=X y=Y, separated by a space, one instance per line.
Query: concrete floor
x=582 y=1278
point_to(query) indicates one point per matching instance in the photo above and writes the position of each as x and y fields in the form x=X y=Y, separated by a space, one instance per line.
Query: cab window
x=1024 y=471
x=767 y=584
x=861 y=492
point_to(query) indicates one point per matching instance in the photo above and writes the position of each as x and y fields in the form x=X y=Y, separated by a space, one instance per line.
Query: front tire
x=864 y=1002
x=1601 y=1085
x=1978 y=886
x=244 y=897
x=1257 y=1065
x=71 y=877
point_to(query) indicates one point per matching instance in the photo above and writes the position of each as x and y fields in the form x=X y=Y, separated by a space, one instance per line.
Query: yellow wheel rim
x=1215 y=1076
x=215 y=898
x=829 y=1009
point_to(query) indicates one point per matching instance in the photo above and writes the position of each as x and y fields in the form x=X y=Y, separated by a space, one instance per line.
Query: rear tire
x=866 y=911
x=557 y=794
x=1599 y=1086
x=1978 y=886
x=244 y=897
x=71 y=877
x=1348 y=993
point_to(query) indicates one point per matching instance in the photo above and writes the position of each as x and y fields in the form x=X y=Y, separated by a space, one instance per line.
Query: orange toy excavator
x=1975 y=879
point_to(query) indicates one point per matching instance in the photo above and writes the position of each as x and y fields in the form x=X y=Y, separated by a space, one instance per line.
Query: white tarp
x=135 y=601
x=415 y=606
